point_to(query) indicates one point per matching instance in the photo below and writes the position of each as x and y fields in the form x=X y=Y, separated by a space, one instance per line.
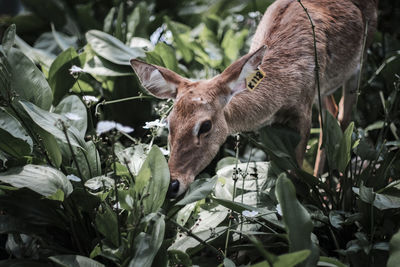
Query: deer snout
x=173 y=189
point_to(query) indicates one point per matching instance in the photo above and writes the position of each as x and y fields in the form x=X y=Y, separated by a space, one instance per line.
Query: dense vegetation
x=80 y=187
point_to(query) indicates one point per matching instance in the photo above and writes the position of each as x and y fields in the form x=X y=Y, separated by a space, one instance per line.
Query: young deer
x=283 y=91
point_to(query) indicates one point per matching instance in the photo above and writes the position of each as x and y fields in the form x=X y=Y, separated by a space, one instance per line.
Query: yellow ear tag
x=254 y=79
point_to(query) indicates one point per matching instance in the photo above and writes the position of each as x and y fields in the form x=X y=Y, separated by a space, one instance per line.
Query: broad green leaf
x=178 y=258
x=146 y=245
x=138 y=21
x=227 y=161
x=332 y=136
x=167 y=56
x=198 y=190
x=109 y=20
x=14 y=140
x=42 y=57
x=63 y=42
x=32 y=85
x=102 y=67
x=232 y=43
x=8 y=38
x=133 y=157
x=394 y=253
x=75 y=261
x=100 y=182
x=72 y=105
x=155 y=170
x=343 y=154
x=89 y=159
x=60 y=79
x=106 y=224
x=229 y=263
x=50 y=122
x=280 y=144
x=44 y=180
x=297 y=220
x=50 y=145
x=181 y=43
x=111 y=48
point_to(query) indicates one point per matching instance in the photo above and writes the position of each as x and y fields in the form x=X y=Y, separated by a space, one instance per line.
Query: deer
x=275 y=82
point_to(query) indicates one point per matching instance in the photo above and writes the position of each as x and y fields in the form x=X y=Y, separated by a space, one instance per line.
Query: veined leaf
x=75 y=261
x=8 y=38
x=14 y=140
x=44 y=180
x=111 y=48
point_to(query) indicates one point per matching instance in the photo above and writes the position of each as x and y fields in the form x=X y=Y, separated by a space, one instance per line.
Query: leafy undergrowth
x=79 y=189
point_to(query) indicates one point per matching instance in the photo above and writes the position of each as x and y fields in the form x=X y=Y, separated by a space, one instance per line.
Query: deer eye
x=204 y=127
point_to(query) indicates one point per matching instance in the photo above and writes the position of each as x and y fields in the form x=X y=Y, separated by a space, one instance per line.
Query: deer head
x=197 y=123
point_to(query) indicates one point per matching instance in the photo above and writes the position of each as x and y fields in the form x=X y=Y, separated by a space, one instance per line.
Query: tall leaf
x=297 y=220
x=394 y=258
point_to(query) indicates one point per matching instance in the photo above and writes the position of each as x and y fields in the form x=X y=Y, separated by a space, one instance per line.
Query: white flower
x=154 y=124
x=73 y=178
x=250 y=214
x=72 y=116
x=75 y=70
x=105 y=126
x=278 y=209
x=164 y=151
x=89 y=99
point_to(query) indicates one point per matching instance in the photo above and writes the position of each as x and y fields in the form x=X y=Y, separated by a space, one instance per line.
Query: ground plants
x=78 y=188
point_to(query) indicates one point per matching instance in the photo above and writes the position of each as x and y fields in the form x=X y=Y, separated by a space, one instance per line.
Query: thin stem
x=235 y=178
x=103 y=103
x=316 y=63
x=361 y=62
x=116 y=180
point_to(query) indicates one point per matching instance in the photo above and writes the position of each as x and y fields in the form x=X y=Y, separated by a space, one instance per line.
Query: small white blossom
x=164 y=151
x=105 y=126
x=278 y=209
x=75 y=70
x=72 y=116
x=73 y=178
x=89 y=99
x=154 y=124
x=250 y=214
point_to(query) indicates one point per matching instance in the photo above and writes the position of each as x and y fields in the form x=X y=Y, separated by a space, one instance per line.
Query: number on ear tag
x=254 y=79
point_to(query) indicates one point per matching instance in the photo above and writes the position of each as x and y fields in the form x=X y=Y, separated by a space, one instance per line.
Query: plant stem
x=235 y=178
x=103 y=103
x=116 y=180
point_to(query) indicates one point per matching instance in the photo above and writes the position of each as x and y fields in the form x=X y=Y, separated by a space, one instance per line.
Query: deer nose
x=173 y=189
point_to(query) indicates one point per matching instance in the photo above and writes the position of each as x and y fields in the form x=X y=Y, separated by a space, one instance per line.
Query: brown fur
x=287 y=92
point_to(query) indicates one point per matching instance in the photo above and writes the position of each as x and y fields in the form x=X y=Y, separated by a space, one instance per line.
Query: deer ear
x=235 y=75
x=158 y=81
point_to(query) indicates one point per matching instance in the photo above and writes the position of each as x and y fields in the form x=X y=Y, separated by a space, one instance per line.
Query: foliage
x=74 y=196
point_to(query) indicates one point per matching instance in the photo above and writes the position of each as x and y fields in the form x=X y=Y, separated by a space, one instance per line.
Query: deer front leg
x=330 y=105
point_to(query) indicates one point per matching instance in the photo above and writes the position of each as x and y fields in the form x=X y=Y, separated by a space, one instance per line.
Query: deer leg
x=330 y=105
x=347 y=101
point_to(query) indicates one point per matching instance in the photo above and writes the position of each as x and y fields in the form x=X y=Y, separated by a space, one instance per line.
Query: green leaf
x=297 y=220
x=332 y=136
x=232 y=43
x=42 y=57
x=280 y=144
x=73 y=105
x=181 y=43
x=179 y=258
x=164 y=53
x=146 y=245
x=8 y=38
x=394 y=252
x=106 y=223
x=111 y=48
x=63 y=41
x=155 y=171
x=14 y=140
x=108 y=20
x=138 y=21
x=343 y=153
x=229 y=263
x=50 y=122
x=226 y=162
x=198 y=190
x=50 y=145
x=119 y=23
x=32 y=85
x=102 y=67
x=60 y=79
x=75 y=261
x=44 y=180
